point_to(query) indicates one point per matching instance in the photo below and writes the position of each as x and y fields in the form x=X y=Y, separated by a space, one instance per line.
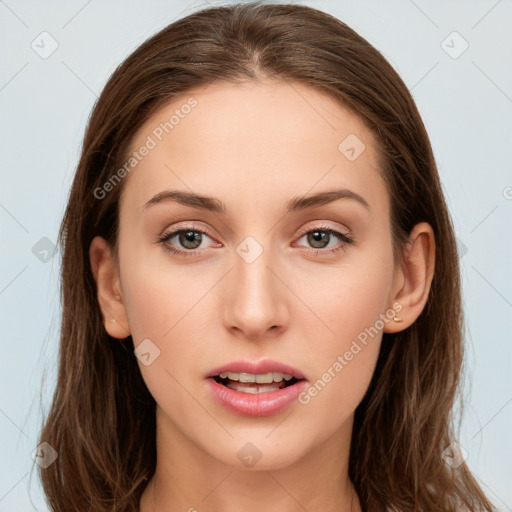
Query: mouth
x=255 y=383
x=264 y=388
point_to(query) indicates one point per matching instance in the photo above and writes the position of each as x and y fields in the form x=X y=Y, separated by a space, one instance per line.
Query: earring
x=397 y=319
x=113 y=320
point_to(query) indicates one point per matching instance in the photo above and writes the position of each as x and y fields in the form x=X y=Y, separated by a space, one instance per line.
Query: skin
x=254 y=146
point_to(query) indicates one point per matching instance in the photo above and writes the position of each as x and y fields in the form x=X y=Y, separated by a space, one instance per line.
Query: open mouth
x=255 y=383
x=256 y=388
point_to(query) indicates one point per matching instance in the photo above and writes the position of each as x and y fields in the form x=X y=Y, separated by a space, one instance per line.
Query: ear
x=106 y=274
x=411 y=285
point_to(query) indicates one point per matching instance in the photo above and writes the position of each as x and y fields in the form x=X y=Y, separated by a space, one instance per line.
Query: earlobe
x=106 y=276
x=413 y=281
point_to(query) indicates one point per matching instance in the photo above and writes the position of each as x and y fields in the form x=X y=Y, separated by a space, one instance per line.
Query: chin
x=260 y=452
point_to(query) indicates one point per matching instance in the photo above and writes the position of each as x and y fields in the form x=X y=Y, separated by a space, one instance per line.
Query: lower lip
x=261 y=404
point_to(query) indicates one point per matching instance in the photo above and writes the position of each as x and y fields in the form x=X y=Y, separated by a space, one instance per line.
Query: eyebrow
x=295 y=204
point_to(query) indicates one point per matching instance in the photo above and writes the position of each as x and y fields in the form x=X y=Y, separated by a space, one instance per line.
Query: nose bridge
x=255 y=304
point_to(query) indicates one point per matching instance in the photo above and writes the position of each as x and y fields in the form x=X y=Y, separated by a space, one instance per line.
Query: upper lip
x=257 y=367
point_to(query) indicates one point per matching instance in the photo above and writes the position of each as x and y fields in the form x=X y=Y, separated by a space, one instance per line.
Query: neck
x=188 y=479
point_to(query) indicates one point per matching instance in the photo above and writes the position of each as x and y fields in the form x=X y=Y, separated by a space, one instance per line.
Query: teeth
x=265 y=389
x=278 y=376
x=253 y=390
x=266 y=378
x=260 y=378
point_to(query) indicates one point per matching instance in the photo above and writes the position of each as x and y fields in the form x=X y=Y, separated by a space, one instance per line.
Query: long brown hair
x=102 y=417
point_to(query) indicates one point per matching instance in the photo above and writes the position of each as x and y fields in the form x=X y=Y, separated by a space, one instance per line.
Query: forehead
x=253 y=140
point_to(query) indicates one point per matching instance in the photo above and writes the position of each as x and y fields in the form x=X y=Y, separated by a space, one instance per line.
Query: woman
x=261 y=295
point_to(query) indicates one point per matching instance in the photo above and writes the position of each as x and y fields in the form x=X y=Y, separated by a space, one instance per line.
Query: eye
x=320 y=238
x=188 y=238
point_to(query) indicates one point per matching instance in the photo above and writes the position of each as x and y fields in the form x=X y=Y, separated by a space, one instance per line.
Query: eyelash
x=164 y=239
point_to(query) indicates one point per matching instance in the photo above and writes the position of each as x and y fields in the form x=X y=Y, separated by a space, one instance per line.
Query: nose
x=255 y=302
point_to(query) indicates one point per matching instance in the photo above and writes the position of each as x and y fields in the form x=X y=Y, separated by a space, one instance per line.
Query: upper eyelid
x=322 y=224
x=190 y=227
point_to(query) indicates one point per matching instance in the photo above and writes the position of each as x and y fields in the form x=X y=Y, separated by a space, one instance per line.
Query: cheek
x=342 y=301
x=169 y=307
x=342 y=366
x=172 y=317
x=161 y=299
x=352 y=304
x=164 y=310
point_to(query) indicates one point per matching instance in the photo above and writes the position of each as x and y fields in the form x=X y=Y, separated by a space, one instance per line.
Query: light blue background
x=466 y=104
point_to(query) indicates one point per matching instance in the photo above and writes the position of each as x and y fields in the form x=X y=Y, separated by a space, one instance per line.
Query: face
x=257 y=279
